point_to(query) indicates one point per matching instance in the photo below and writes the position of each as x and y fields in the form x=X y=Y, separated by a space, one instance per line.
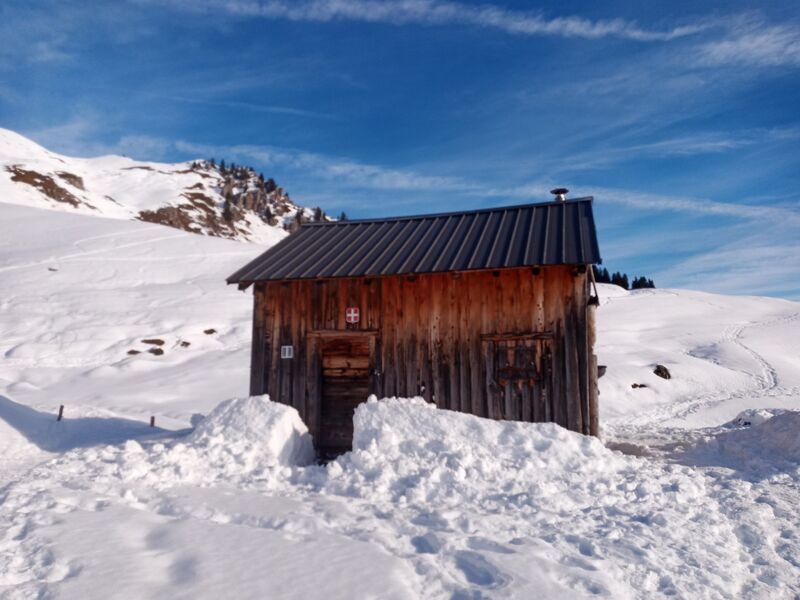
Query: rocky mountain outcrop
x=203 y=197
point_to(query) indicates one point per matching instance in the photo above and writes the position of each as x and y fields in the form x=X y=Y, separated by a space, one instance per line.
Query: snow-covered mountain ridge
x=197 y=196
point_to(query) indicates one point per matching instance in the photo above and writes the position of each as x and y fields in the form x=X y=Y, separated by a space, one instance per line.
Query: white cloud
x=432 y=12
x=353 y=173
x=750 y=41
x=757 y=264
x=252 y=106
x=698 y=206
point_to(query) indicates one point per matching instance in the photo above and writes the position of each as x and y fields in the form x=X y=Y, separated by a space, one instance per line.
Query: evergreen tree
x=222 y=165
x=343 y=216
x=227 y=211
x=318 y=214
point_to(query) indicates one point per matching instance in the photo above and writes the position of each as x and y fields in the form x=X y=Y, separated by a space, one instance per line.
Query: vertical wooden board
x=546 y=389
x=434 y=341
x=314 y=383
x=571 y=393
x=423 y=325
x=343 y=301
x=401 y=342
x=301 y=336
x=537 y=407
x=465 y=402
x=453 y=290
x=594 y=416
x=329 y=301
x=373 y=364
x=275 y=339
x=538 y=301
x=524 y=361
x=511 y=300
x=315 y=307
x=527 y=313
x=559 y=398
x=374 y=301
x=582 y=344
x=482 y=324
x=285 y=385
x=473 y=308
x=256 y=345
x=411 y=341
x=501 y=362
x=388 y=298
x=493 y=408
x=376 y=375
x=297 y=337
x=266 y=332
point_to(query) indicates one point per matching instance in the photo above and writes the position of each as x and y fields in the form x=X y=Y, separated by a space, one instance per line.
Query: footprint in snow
x=426 y=544
x=484 y=544
x=479 y=571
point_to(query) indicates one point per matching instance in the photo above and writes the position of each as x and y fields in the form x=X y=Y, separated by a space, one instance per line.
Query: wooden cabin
x=488 y=312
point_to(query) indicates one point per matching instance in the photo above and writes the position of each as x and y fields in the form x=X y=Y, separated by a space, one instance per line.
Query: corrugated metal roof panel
x=551 y=233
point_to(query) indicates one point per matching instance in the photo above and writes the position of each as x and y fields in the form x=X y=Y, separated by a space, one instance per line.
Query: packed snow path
x=430 y=504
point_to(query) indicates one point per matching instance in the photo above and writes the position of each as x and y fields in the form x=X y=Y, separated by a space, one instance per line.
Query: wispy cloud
x=354 y=173
x=751 y=41
x=432 y=12
x=697 y=206
x=252 y=106
x=755 y=264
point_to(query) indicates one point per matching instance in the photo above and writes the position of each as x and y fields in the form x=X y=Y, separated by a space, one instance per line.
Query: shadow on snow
x=50 y=435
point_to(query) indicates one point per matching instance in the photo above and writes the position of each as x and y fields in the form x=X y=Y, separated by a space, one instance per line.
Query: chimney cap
x=560 y=194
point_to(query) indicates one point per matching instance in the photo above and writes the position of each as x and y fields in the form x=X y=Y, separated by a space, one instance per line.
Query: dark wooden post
x=60 y=413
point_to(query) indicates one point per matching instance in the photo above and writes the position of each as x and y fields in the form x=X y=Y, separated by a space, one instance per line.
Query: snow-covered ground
x=680 y=498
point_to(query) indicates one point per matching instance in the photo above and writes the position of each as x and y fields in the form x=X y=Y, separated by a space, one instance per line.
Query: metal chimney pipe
x=560 y=194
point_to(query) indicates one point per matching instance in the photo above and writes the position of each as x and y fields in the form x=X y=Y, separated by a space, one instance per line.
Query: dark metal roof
x=552 y=233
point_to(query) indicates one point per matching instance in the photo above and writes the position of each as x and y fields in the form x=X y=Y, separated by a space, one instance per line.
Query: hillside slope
x=196 y=196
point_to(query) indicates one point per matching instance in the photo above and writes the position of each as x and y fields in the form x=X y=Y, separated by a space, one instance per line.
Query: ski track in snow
x=648 y=427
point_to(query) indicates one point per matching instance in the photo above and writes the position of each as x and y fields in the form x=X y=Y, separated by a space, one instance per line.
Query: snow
x=255 y=430
x=691 y=491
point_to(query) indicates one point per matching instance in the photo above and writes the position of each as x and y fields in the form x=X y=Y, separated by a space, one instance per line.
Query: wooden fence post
x=60 y=412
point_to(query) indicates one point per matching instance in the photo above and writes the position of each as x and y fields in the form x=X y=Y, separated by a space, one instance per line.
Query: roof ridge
x=447 y=214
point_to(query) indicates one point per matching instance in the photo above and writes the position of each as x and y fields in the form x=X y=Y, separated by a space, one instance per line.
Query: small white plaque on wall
x=287 y=351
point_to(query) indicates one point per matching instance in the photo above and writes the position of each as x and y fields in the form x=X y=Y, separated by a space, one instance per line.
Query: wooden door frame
x=316 y=360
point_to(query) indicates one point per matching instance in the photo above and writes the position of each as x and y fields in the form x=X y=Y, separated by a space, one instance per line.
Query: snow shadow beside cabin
x=43 y=430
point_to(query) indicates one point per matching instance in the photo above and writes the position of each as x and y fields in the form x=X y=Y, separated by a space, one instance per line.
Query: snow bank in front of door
x=412 y=451
x=242 y=441
x=255 y=429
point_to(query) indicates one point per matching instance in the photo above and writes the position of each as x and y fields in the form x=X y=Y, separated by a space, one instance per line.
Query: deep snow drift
x=686 y=495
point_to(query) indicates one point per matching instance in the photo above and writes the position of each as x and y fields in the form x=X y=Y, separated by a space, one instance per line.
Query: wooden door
x=346 y=367
x=518 y=377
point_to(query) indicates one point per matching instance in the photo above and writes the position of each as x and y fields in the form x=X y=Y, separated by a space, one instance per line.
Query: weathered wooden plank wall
x=428 y=335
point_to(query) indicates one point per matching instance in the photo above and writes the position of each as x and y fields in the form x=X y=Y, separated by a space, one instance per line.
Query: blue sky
x=681 y=118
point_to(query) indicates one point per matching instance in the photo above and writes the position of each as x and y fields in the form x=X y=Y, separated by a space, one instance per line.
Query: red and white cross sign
x=351 y=314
